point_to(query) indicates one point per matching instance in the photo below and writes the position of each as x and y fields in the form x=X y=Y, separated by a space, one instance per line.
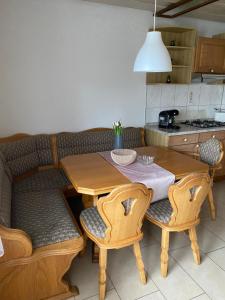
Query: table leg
x=89 y=200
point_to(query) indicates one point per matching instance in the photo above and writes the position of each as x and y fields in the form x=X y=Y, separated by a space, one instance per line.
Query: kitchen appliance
x=204 y=123
x=167 y=119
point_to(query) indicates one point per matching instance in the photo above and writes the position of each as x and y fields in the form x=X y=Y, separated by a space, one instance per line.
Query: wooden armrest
x=16 y=244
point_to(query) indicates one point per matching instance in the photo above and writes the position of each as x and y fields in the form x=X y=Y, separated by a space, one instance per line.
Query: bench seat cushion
x=43 y=216
x=42 y=180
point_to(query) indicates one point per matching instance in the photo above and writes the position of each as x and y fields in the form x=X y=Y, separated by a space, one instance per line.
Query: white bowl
x=123 y=157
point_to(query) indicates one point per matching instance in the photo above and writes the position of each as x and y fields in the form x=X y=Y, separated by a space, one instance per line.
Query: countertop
x=184 y=129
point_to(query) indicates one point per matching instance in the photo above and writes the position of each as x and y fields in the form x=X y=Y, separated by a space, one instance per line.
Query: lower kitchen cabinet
x=186 y=143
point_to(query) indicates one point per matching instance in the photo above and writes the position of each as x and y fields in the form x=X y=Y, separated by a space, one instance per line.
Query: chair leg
x=194 y=245
x=164 y=252
x=140 y=264
x=102 y=273
x=211 y=204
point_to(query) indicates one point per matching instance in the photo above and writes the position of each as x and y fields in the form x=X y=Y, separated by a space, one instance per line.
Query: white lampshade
x=153 y=56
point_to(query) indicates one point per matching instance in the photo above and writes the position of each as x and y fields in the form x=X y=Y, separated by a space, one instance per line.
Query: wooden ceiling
x=214 y=11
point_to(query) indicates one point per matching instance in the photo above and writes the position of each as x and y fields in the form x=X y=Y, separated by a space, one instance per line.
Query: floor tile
x=177 y=239
x=217 y=227
x=153 y=296
x=218 y=257
x=208 y=275
x=185 y=289
x=124 y=274
x=84 y=274
x=202 y=297
x=110 y=295
x=207 y=240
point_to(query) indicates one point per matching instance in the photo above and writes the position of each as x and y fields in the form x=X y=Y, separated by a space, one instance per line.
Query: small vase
x=118 y=141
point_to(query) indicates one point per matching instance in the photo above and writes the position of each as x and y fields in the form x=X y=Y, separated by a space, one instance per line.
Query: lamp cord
x=154 y=17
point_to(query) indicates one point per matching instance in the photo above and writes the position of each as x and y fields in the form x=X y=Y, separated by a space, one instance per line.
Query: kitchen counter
x=184 y=129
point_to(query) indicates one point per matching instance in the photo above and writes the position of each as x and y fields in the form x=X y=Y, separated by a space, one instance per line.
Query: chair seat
x=160 y=211
x=93 y=222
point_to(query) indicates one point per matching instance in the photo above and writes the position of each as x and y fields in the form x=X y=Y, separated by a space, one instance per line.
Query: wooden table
x=91 y=175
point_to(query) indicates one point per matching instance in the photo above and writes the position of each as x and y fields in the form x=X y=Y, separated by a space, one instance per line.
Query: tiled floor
x=185 y=279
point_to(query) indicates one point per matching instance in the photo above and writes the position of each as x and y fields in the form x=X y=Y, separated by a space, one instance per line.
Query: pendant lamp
x=153 y=56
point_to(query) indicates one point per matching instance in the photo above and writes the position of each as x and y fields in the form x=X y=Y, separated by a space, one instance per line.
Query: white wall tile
x=223 y=100
x=181 y=95
x=205 y=96
x=167 y=95
x=192 y=112
x=194 y=92
x=152 y=114
x=216 y=94
x=193 y=101
x=153 y=95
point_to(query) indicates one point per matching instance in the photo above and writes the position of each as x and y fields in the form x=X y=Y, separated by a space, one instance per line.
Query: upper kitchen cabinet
x=210 y=56
x=180 y=43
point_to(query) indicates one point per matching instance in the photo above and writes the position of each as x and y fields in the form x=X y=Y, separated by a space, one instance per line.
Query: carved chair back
x=186 y=198
x=123 y=211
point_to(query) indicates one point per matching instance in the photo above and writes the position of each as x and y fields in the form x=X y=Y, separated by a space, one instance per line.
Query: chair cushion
x=93 y=222
x=5 y=197
x=21 y=156
x=44 y=151
x=42 y=180
x=210 y=151
x=95 y=141
x=44 y=216
x=160 y=211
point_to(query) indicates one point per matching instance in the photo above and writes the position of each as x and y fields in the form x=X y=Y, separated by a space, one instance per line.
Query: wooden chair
x=212 y=153
x=180 y=212
x=116 y=223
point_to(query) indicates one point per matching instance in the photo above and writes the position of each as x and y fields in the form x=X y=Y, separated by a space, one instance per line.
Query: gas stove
x=204 y=123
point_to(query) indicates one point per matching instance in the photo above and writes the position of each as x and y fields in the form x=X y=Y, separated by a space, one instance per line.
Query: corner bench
x=39 y=233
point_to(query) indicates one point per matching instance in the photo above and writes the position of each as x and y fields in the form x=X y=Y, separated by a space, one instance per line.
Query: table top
x=91 y=174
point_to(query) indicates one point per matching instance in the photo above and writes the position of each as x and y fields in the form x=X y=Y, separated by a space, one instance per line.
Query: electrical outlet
x=190 y=98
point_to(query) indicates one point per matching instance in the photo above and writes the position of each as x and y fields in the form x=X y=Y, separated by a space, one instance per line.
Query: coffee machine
x=167 y=119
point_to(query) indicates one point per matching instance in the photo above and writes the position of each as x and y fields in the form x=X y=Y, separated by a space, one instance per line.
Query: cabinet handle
x=185 y=139
x=211 y=70
x=213 y=136
x=197 y=146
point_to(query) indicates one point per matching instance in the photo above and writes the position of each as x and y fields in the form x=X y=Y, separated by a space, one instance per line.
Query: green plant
x=117 y=126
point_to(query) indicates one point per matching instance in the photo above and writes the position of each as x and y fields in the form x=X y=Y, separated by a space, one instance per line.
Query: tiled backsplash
x=192 y=100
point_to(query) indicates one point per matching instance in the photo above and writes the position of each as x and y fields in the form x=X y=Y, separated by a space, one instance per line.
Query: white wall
x=67 y=64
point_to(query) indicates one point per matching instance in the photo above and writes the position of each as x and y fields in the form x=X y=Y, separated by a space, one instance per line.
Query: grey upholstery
x=43 y=147
x=42 y=180
x=21 y=156
x=5 y=197
x=210 y=151
x=160 y=211
x=89 y=142
x=44 y=216
x=93 y=222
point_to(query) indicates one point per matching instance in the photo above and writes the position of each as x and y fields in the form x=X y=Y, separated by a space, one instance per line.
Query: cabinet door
x=210 y=56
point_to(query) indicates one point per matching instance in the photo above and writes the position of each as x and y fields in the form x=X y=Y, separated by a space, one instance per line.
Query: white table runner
x=153 y=176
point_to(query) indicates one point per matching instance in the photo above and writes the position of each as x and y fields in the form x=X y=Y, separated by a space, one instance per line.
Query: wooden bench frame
x=34 y=274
